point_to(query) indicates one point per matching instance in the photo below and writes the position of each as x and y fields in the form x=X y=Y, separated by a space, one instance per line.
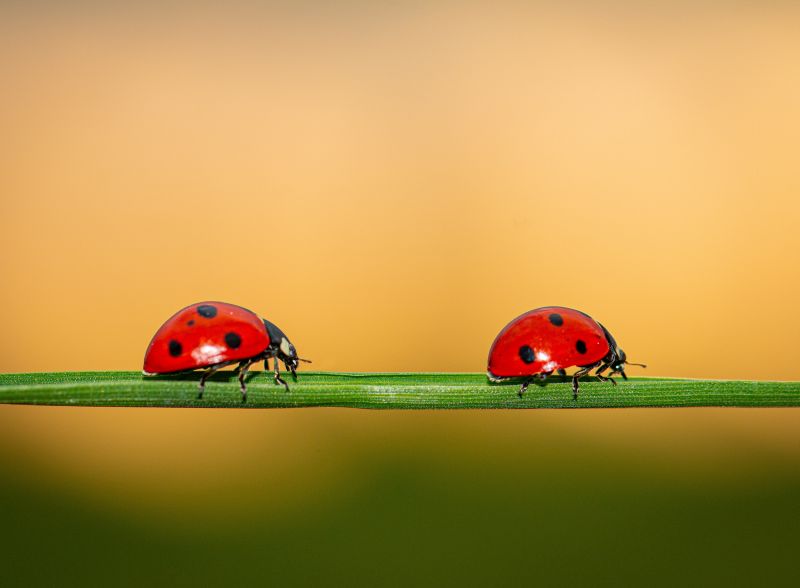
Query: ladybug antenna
x=638 y=364
x=301 y=359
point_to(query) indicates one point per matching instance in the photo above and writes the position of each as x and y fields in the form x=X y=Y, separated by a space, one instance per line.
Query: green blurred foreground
x=427 y=499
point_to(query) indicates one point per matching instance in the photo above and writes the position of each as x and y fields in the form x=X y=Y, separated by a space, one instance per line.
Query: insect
x=551 y=339
x=212 y=335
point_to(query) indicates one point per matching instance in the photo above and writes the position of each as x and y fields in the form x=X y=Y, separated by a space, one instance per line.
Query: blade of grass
x=382 y=391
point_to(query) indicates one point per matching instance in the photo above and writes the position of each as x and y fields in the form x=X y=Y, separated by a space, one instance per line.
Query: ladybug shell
x=544 y=340
x=205 y=334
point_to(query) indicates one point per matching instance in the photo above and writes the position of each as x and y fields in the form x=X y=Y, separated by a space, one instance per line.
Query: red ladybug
x=554 y=338
x=212 y=335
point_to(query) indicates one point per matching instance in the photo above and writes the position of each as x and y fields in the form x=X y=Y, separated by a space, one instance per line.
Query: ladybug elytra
x=212 y=335
x=551 y=339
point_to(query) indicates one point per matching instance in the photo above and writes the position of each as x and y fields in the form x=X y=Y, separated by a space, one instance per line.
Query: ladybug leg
x=243 y=368
x=290 y=368
x=579 y=374
x=206 y=375
x=278 y=379
x=524 y=387
x=602 y=378
x=562 y=372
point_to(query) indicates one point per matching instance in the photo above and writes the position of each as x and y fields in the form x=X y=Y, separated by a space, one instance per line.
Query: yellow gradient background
x=391 y=185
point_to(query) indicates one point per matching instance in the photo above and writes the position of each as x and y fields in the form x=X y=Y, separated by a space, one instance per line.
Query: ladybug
x=551 y=339
x=212 y=335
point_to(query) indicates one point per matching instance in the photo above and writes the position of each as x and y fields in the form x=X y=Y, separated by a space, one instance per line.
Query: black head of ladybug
x=618 y=365
x=616 y=357
x=282 y=349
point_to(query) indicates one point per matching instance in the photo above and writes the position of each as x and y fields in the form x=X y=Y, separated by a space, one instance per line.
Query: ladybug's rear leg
x=542 y=377
x=524 y=387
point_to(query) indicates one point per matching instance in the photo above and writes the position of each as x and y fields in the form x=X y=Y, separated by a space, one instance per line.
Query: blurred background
x=391 y=183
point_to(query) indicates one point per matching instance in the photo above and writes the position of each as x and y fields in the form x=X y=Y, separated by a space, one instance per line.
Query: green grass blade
x=383 y=391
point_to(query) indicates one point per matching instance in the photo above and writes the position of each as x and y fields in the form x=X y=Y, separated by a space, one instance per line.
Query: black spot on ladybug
x=580 y=346
x=207 y=311
x=175 y=348
x=526 y=354
x=191 y=323
x=233 y=340
x=556 y=319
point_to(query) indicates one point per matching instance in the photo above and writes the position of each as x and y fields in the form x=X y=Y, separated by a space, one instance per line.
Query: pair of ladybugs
x=212 y=335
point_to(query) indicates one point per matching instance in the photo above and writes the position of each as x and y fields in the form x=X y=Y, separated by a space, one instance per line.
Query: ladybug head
x=618 y=365
x=282 y=349
x=616 y=357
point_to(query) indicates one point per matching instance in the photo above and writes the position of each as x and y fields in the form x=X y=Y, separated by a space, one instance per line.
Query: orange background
x=391 y=185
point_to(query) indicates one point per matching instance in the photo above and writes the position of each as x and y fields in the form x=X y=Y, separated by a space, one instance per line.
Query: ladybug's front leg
x=602 y=378
x=278 y=379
